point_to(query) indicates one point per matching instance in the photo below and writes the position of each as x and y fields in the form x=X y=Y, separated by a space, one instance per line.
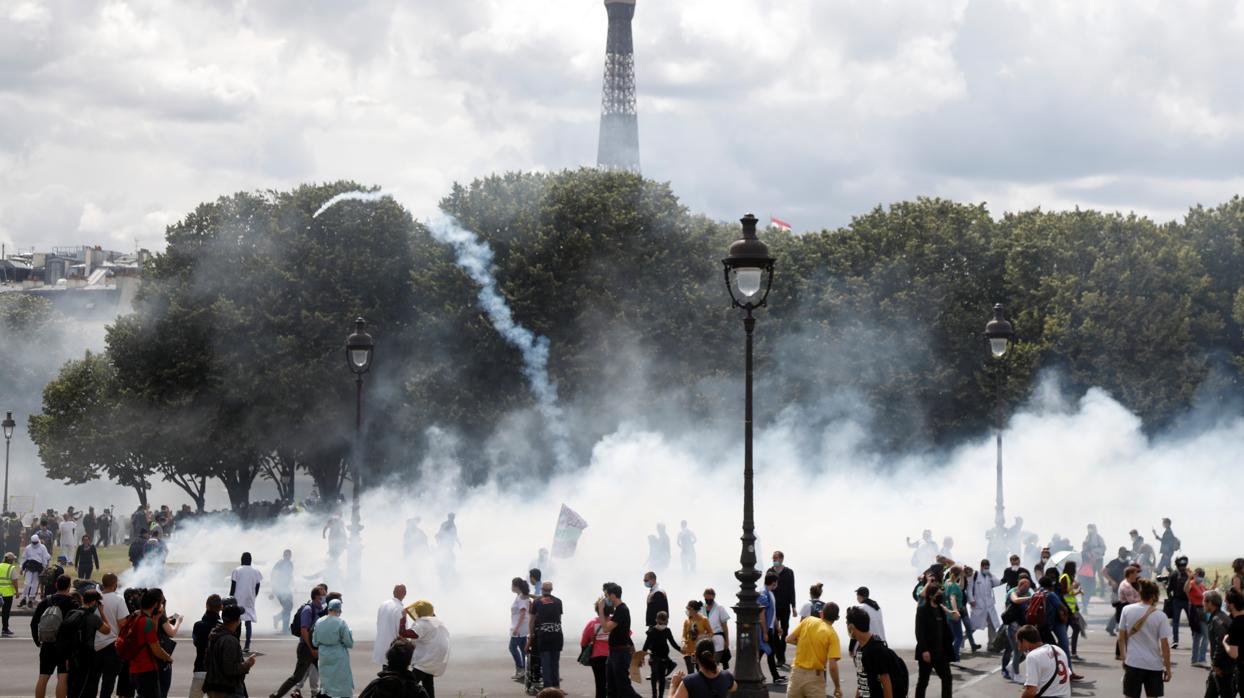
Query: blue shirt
x=767 y=602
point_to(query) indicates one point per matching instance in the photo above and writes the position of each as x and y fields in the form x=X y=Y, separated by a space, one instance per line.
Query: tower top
x=619 y=124
x=619 y=2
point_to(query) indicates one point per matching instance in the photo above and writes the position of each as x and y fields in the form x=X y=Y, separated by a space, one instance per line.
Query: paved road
x=481 y=666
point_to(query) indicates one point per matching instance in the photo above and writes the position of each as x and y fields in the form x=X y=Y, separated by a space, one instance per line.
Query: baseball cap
x=232 y=613
x=862 y=591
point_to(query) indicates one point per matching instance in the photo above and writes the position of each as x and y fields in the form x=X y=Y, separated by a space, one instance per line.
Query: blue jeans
x=517 y=646
x=1060 y=634
x=618 y=674
x=1010 y=653
x=956 y=631
x=1200 y=640
x=549 y=669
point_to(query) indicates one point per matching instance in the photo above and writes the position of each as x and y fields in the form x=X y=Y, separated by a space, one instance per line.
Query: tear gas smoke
x=840 y=515
x=350 y=196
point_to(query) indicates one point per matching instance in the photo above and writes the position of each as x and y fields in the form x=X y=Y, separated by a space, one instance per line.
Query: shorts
x=50 y=660
x=1135 y=679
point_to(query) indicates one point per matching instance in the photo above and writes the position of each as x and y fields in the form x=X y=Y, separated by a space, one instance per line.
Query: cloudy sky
x=118 y=117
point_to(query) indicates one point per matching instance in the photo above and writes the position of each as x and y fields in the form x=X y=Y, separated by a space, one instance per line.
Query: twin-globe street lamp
x=749 y=275
x=359 y=349
x=8 y=424
x=999 y=333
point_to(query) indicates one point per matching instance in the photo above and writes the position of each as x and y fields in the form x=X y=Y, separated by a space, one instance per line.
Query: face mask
x=649 y=585
x=777 y=565
x=608 y=603
x=1015 y=567
x=690 y=613
x=708 y=602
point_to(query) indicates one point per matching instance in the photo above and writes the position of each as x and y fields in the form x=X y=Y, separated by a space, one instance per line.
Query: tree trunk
x=141 y=489
x=327 y=471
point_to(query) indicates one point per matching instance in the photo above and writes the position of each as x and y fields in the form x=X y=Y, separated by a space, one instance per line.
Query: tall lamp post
x=8 y=425
x=749 y=276
x=999 y=334
x=359 y=349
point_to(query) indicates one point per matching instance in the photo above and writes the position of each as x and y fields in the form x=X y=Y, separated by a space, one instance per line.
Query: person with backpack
x=44 y=625
x=201 y=634
x=1145 y=644
x=709 y=680
x=139 y=644
x=75 y=640
x=879 y=672
x=814 y=605
x=933 y=646
x=1046 y=671
x=307 y=654
x=1168 y=544
x=226 y=666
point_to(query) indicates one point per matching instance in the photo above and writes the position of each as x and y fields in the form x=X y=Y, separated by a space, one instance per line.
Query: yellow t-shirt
x=818 y=643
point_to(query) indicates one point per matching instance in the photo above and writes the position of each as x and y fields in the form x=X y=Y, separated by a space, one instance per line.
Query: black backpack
x=295 y=624
x=71 y=635
x=816 y=606
x=899 y=679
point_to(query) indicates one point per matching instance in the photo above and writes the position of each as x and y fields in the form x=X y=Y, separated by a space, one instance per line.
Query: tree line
x=231 y=367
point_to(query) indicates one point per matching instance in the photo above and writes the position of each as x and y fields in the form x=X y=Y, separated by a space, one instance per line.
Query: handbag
x=585 y=655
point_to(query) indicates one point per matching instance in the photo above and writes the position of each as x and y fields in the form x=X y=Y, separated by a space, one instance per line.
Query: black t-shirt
x=547 y=613
x=1115 y=569
x=700 y=686
x=1235 y=636
x=871 y=661
x=620 y=636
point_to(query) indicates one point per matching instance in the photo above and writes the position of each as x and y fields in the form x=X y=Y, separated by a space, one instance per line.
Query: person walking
x=35 y=558
x=8 y=589
x=615 y=616
x=1168 y=544
x=226 y=665
x=244 y=586
x=983 y=607
x=787 y=606
x=1070 y=592
x=283 y=589
x=933 y=645
x=56 y=606
x=719 y=620
x=68 y=530
x=1220 y=682
x=1233 y=643
x=876 y=624
x=686 y=548
x=768 y=625
x=875 y=673
x=596 y=637
x=333 y=639
x=1113 y=573
x=396 y=680
x=1045 y=666
x=1195 y=588
x=1012 y=619
x=103 y=527
x=306 y=655
x=144 y=667
x=432 y=643
x=1145 y=645
x=520 y=620
x=657 y=644
x=954 y=603
x=656 y=601
x=694 y=629
x=76 y=640
x=709 y=680
x=88 y=523
x=546 y=629
x=86 y=558
x=389 y=621
x=108 y=667
x=816 y=645
x=201 y=635
x=1177 y=593
x=814 y=604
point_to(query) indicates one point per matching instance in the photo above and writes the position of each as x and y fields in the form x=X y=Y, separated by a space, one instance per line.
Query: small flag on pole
x=566 y=536
x=778 y=223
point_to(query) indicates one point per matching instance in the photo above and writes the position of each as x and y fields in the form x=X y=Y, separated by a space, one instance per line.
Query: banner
x=566 y=536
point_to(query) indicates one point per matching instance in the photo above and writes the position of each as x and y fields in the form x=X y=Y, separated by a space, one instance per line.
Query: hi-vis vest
x=6 y=579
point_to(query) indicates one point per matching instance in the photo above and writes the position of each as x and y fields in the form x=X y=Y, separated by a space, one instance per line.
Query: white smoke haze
x=349 y=196
x=840 y=516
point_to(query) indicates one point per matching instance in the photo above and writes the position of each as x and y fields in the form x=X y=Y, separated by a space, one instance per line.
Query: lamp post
x=359 y=349
x=999 y=335
x=749 y=276
x=8 y=425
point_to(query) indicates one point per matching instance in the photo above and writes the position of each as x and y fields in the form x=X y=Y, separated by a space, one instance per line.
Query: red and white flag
x=778 y=223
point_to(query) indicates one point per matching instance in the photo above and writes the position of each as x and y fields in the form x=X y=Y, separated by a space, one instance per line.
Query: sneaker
x=297 y=693
x=779 y=681
x=1077 y=677
x=6 y=633
x=1174 y=645
x=1007 y=675
x=784 y=666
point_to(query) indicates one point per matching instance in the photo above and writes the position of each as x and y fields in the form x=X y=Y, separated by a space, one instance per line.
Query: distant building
x=618 y=148
x=80 y=281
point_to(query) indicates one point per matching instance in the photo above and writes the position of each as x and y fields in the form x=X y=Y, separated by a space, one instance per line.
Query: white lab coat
x=984 y=607
x=388 y=624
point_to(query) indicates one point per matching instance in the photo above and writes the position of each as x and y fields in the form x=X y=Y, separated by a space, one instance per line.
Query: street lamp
x=359 y=348
x=749 y=275
x=999 y=334
x=8 y=425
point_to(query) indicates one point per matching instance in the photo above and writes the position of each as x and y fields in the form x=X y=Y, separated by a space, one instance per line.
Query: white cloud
x=815 y=110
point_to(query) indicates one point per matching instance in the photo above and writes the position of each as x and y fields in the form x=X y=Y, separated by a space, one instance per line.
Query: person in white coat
x=984 y=608
x=390 y=618
x=431 y=645
x=35 y=552
x=244 y=586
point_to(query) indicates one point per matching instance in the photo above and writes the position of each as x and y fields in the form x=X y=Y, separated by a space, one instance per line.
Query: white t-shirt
x=875 y=625
x=114 y=610
x=432 y=646
x=518 y=611
x=1045 y=662
x=246 y=577
x=67 y=529
x=716 y=617
x=1144 y=647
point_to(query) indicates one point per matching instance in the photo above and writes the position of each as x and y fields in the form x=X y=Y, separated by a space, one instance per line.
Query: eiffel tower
x=619 y=122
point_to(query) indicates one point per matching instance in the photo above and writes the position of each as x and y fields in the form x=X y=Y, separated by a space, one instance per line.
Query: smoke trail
x=350 y=196
x=475 y=258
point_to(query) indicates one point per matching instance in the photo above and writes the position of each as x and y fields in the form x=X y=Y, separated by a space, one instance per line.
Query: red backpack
x=1034 y=614
x=130 y=642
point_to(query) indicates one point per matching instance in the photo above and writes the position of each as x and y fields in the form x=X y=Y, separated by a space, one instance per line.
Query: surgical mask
x=608 y=603
x=1015 y=568
x=690 y=613
x=649 y=584
x=777 y=564
x=708 y=602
